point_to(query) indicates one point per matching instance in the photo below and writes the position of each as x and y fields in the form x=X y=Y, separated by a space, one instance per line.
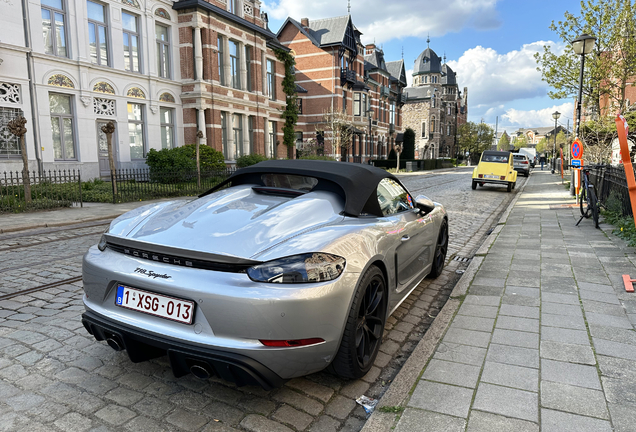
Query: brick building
x=336 y=73
x=435 y=107
x=231 y=79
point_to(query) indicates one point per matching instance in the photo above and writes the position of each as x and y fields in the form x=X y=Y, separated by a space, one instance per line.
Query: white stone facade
x=97 y=92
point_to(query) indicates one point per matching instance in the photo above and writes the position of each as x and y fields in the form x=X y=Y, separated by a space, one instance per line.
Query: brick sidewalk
x=543 y=339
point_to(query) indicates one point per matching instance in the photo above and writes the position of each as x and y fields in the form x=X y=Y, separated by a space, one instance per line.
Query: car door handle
x=406 y=238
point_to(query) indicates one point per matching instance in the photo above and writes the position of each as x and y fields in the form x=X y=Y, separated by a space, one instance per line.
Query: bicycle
x=588 y=202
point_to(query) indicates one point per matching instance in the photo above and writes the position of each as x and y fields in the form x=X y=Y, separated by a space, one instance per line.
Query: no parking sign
x=577 y=149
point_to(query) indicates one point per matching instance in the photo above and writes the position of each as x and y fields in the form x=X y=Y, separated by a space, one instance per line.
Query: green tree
x=542 y=145
x=474 y=138
x=290 y=113
x=504 y=142
x=409 y=144
x=520 y=142
x=608 y=68
x=561 y=138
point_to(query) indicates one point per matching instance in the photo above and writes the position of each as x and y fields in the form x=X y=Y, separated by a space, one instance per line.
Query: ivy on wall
x=290 y=113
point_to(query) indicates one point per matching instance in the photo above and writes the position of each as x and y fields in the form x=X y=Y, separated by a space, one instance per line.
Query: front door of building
x=102 y=150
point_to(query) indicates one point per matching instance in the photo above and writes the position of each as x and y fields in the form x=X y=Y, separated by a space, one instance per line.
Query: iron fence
x=49 y=189
x=142 y=184
x=611 y=187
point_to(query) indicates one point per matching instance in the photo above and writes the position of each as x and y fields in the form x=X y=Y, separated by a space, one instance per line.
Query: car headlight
x=305 y=268
x=102 y=243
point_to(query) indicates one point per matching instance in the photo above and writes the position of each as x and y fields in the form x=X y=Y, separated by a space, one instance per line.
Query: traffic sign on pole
x=577 y=149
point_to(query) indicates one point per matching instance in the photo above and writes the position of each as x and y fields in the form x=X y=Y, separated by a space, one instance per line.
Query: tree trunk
x=111 y=160
x=25 y=170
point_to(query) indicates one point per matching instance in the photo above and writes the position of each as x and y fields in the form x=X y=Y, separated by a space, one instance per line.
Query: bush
x=170 y=165
x=317 y=157
x=392 y=154
x=409 y=144
x=247 y=160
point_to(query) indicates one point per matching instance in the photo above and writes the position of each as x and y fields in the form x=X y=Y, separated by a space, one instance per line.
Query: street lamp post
x=582 y=45
x=555 y=116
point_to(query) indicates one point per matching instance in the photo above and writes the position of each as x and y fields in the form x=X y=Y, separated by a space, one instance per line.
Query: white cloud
x=538 y=118
x=382 y=21
x=494 y=78
x=409 y=77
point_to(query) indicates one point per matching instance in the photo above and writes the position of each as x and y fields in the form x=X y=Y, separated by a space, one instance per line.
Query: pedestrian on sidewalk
x=542 y=160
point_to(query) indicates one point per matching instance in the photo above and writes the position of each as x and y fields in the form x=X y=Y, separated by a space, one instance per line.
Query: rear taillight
x=291 y=343
x=502 y=177
x=525 y=162
x=481 y=176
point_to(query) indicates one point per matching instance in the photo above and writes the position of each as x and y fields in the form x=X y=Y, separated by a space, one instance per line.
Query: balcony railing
x=403 y=97
x=385 y=91
x=347 y=76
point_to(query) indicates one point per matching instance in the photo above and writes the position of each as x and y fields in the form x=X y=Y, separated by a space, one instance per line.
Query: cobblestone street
x=55 y=376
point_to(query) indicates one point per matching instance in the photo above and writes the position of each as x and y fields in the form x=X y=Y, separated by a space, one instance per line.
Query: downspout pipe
x=32 y=95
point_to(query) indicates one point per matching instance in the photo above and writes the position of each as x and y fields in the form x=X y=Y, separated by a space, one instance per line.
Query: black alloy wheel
x=364 y=327
x=370 y=323
x=441 y=249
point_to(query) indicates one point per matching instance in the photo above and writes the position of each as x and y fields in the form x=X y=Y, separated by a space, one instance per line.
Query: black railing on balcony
x=347 y=76
x=403 y=97
x=385 y=91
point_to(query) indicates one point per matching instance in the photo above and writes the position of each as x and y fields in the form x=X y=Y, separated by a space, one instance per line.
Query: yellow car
x=495 y=167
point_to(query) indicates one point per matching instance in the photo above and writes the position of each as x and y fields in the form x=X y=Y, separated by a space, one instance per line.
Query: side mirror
x=424 y=204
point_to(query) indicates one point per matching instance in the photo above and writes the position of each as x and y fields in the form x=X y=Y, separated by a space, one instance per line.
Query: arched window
x=425 y=79
x=433 y=102
x=433 y=124
x=423 y=129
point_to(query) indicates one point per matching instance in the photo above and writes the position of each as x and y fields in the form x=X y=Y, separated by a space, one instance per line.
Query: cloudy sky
x=489 y=43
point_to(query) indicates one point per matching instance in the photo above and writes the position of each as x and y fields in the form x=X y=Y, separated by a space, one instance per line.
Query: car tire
x=474 y=185
x=510 y=187
x=441 y=248
x=363 y=331
x=513 y=185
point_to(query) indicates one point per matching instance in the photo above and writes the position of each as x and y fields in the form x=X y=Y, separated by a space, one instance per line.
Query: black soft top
x=356 y=183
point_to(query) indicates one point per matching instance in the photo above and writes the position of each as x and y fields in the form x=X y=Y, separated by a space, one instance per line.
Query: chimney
x=304 y=22
x=369 y=49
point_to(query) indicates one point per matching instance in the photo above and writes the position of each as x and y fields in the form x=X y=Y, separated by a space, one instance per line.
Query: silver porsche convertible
x=284 y=269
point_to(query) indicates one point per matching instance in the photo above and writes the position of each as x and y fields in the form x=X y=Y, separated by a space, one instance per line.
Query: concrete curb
x=59 y=224
x=401 y=387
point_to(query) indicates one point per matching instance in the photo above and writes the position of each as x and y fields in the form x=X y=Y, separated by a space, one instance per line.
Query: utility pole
x=496 y=126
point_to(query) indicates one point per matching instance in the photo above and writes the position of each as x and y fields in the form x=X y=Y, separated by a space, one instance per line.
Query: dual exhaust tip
x=198 y=369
